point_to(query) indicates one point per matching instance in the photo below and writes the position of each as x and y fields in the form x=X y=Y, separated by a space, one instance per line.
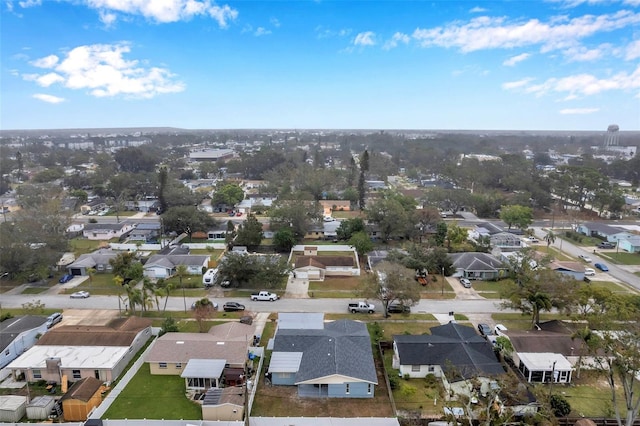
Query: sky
x=324 y=64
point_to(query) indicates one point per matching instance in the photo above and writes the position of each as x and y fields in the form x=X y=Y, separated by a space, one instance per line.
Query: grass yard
x=517 y=321
x=335 y=287
x=492 y=289
x=622 y=258
x=154 y=397
x=81 y=246
x=613 y=286
x=557 y=254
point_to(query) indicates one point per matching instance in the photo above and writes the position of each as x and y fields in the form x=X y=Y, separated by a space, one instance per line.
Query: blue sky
x=339 y=64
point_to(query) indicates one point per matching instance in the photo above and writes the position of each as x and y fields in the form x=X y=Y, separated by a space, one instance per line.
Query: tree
x=295 y=214
x=181 y=272
x=169 y=325
x=250 y=232
x=559 y=405
x=127 y=266
x=135 y=159
x=187 y=220
x=390 y=216
x=230 y=235
x=228 y=194
x=362 y=243
x=550 y=238
x=165 y=287
x=163 y=177
x=349 y=227
x=392 y=282
x=265 y=271
x=91 y=272
x=203 y=310
x=284 y=240
x=517 y=215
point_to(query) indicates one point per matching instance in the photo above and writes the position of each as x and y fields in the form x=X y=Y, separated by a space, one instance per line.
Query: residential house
x=332 y=359
x=94 y=204
x=549 y=351
x=217 y=234
x=204 y=360
x=323 y=231
x=98 y=260
x=478 y=266
x=78 y=351
x=106 y=231
x=18 y=334
x=316 y=268
x=145 y=206
x=613 y=234
x=329 y=206
x=631 y=244
x=146 y=231
x=81 y=398
x=572 y=269
x=505 y=241
x=165 y=266
x=452 y=351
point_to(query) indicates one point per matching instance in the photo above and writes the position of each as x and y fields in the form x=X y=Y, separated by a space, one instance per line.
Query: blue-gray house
x=333 y=359
x=19 y=334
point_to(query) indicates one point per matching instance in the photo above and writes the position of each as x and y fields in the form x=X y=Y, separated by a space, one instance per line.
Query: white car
x=585 y=258
x=499 y=329
x=80 y=295
x=588 y=272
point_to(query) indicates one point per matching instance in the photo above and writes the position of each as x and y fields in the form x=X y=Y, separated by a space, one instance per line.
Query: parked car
x=80 y=295
x=532 y=240
x=465 y=283
x=602 y=267
x=232 y=307
x=588 y=272
x=53 y=319
x=398 y=308
x=485 y=330
x=606 y=245
x=65 y=278
x=585 y=258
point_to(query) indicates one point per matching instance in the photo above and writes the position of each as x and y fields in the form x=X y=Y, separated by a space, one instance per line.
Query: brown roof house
x=204 y=360
x=313 y=266
x=548 y=353
x=81 y=398
x=79 y=351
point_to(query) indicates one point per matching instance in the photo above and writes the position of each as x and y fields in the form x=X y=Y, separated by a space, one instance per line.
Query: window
x=37 y=374
x=347 y=389
x=369 y=388
x=162 y=365
x=76 y=374
x=415 y=368
x=7 y=352
x=178 y=365
x=431 y=369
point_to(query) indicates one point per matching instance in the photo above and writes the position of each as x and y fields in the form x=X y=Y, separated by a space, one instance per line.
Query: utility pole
x=442 y=287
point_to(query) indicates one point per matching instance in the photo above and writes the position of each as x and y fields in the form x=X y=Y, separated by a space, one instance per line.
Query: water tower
x=612 y=137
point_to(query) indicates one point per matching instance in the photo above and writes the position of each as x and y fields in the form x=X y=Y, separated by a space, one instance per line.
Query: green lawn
x=623 y=258
x=614 y=287
x=154 y=397
x=81 y=246
x=517 y=321
x=492 y=289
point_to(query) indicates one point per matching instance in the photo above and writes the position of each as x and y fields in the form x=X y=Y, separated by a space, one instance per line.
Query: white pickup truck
x=364 y=307
x=265 y=295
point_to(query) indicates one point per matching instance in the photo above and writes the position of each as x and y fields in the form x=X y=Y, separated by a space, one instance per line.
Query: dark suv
x=606 y=245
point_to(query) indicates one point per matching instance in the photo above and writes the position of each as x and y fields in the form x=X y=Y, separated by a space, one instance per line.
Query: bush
x=560 y=406
x=394 y=382
x=431 y=380
x=408 y=390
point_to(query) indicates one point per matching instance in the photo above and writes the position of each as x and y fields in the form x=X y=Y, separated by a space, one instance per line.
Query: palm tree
x=118 y=281
x=91 y=272
x=539 y=302
x=181 y=272
x=164 y=289
x=550 y=238
x=148 y=290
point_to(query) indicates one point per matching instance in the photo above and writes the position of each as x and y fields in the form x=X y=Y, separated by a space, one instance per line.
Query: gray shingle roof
x=12 y=327
x=475 y=261
x=458 y=349
x=343 y=347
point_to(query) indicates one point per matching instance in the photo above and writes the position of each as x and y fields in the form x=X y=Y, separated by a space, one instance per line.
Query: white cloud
x=164 y=11
x=46 y=62
x=397 y=38
x=29 y=3
x=517 y=84
x=582 y=54
x=578 y=111
x=365 y=39
x=486 y=32
x=634 y=3
x=261 y=31
x=275 y=22
x=515 y=59
x=48 y=98
x=322 y=32
x=477 y=9
x=579 y=85
x=108 y=18
x=632 y=51
x=104 y=72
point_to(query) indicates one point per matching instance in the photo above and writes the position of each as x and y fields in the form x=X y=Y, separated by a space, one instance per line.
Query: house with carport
x=574 y=270
x=330 y=359
x=213 y=359
x=106 y=231
x=612 y=234
x=78 y=351
x=98 y=260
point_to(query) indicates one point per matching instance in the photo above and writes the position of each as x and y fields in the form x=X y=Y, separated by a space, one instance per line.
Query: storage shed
x=12 y=408
x=225 y=404
x=40 y=407
x=83 y=396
